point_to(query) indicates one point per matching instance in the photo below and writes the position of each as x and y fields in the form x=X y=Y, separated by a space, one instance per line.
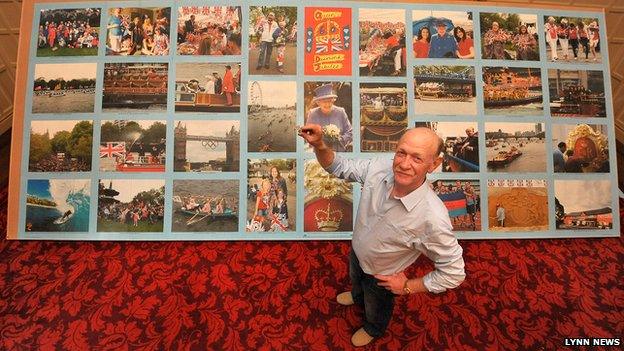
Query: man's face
x=326 y=104
x=414 y=158
x=469 y=132
x=562 y=148
x=441 y=30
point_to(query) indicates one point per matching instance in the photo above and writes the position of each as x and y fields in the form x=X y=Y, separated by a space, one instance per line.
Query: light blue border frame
x=483 y=176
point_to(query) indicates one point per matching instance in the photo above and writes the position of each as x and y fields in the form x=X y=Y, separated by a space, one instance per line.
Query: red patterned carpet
x=280 y=296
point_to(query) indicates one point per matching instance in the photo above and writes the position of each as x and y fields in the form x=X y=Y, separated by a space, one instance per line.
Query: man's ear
x=436 y=163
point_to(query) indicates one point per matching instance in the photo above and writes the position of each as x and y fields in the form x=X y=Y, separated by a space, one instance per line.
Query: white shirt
x=268 y=30
x=210 y=88
x=391 y=233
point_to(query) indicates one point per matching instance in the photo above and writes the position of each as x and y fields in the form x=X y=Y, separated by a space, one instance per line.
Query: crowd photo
x=138 y=31
x=572 y=39
x=69 y=32
x=60 y=146
x=509 y=36
x=128 y=205
x=382 y=42
x=209 y=30
x=443 y=34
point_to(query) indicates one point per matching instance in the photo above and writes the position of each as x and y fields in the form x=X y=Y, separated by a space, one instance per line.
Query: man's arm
x=441 y=247
x=313 y=134
x=347 y=169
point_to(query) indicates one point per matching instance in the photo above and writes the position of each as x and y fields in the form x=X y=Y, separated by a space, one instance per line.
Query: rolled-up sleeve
x=442 y=248
x=349 y=169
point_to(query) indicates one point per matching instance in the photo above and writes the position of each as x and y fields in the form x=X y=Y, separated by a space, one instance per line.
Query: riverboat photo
x=207 y=87
x=512 y=91
x=515 y=147
x=135 y=87
x=64 y=88
x=444 y=90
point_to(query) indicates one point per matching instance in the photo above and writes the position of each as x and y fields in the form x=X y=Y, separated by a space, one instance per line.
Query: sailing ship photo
x=512 y=91
x=444 y=90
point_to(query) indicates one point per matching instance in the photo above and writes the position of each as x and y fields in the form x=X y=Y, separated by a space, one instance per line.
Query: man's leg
x=267 y=58
x=261 y=54
x=356 y=274
x=378 y=306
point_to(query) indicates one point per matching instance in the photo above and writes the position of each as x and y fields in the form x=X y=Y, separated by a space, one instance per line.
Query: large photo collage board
x=172 y=120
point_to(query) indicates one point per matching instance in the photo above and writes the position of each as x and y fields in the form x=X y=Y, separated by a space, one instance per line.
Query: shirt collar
x=412 y=199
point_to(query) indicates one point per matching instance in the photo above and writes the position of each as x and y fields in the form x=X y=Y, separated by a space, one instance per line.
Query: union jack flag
x=325 y=44
x=111 y=149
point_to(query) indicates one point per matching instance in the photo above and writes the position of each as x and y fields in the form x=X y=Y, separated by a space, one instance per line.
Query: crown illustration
x=328 y=220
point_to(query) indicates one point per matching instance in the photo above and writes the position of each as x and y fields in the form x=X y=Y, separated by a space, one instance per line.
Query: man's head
x=470 y=131
x=417 y=153
x=441 y=28
x=562 y=147
x=192 y=17
x=495 y=26
x=271 y=17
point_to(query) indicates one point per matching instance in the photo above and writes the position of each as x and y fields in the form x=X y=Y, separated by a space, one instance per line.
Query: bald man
x=399 y=218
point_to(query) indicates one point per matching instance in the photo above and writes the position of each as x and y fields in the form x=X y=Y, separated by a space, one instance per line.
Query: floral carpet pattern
x=518 y=295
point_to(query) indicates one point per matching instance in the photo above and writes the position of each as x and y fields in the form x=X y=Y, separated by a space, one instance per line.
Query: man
x=500 y=215
x=189 y=25
x=228 y=84
x=558 y=159
x=218 y=83
x=442 y=44
x=469 y=147
x=399 y=218
x=266 y=30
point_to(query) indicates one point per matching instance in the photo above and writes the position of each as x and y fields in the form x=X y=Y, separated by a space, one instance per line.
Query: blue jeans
x=264 y=58
x=378 y=302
